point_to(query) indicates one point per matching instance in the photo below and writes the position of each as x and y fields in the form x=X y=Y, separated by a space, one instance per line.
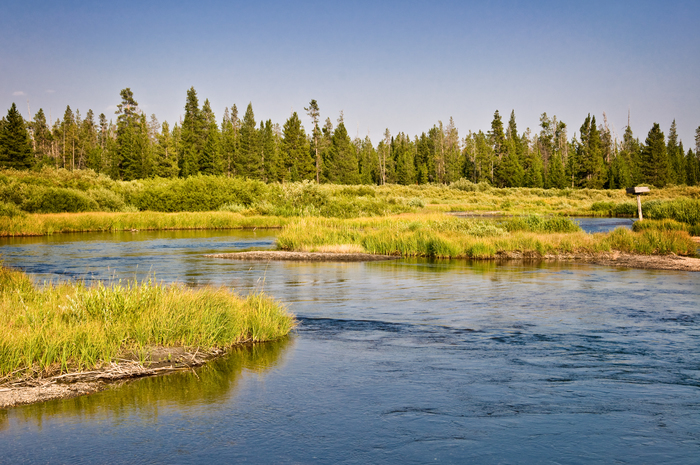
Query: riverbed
x=407 y=361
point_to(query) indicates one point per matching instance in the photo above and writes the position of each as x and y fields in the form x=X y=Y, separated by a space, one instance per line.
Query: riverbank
x=438 y=236
x=73 y=333
x=45 y=224
x=616 y=259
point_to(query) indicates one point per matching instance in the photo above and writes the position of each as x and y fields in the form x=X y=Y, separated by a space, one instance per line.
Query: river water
x=406 y=361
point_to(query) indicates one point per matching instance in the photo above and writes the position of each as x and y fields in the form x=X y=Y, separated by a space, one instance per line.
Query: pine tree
x=675 y=155
x=165 y=154
x=249 y=161
x=230 y=130
x=367 y=158
x=295 y=160
x=341 y=166
x=556 y=177
x=42 y=138
x=403 y=149
x=15 y=144
x=128 y=164
x=692 y=169
x=90 y=152
x=510 y=171
x=269 y=153
x=210 y=158
x=192 y=136
x=592 y=170
x=654 y=159
x=314 y=113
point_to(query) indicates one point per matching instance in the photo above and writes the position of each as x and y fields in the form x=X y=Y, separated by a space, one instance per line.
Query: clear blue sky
x=401 y=65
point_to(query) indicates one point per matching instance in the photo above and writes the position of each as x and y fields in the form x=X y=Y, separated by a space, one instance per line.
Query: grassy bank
x=57 y=191
x=437 y=236
x=68 y=327
x=50 y=223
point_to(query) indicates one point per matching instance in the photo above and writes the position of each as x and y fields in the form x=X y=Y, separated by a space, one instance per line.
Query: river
x=406 y=361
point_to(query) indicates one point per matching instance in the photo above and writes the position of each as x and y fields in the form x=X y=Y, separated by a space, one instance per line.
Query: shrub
x=59 y=200
x=10 y=210
x=107 y=200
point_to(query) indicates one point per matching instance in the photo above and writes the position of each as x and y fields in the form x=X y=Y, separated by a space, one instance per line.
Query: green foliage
x=654 y=159
x=15 y=145
x=683 y=210
x=10 y=210
x=59 y=200
x=197 y=193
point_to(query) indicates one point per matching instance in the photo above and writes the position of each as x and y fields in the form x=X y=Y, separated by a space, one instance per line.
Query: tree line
x=137 y=147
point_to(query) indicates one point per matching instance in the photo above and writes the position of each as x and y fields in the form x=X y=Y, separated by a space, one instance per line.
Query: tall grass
x=440 y=237
x=47 y=224
x=65 y=327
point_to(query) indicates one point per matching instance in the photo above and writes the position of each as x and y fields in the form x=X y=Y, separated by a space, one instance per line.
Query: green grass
x=51 y=223
x=66 y=327
x=448 y=237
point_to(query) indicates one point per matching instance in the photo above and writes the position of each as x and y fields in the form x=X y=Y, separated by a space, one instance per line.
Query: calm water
x=408 y=361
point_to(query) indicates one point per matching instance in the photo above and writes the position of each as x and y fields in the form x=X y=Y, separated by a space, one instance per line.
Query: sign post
x=638 y=191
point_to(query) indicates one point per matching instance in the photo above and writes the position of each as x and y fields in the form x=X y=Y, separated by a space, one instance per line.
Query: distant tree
x=403 y=149
x=295 y=157
x=510 y=171
x=42 y=137
x=367 y=159
x=90 y=152
x=692 y=169
x=165 y=154
x=15 y=144
x=192 y=136
x=210 y=158
x=314 y=113
x=654 y=159
x=249 y=161
x=130 y=143
x=341 y=166
x=592 y=169
x=676 y=159
x=230 y=130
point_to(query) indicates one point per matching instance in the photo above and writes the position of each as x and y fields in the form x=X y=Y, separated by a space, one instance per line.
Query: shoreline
x=669 y=262
x=162 y=361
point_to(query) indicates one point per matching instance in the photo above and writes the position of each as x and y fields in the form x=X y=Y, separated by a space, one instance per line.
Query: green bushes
x=58 y=200
x=10 y=210
x=199 y=193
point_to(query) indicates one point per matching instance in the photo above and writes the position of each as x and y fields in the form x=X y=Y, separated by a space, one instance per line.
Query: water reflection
x=213 y=383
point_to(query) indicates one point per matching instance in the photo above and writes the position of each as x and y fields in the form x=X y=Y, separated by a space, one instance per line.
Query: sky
x=401 y=65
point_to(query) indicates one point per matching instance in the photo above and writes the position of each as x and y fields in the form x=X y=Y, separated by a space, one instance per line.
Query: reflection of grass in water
x=73 y=327
x=210 y=383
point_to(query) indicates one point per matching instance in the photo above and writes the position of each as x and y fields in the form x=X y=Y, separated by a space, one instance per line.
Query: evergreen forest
x=138 y=147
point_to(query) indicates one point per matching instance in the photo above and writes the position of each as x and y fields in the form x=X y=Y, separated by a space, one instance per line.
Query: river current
x=406 y=361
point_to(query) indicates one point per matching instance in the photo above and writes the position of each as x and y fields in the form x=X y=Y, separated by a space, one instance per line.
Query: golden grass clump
x=63 y=327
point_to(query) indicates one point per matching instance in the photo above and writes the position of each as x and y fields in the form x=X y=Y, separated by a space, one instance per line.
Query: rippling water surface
x=407 y=361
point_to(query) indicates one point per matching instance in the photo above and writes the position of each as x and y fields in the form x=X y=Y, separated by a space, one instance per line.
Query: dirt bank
x=161 y=360
x=617 y=259
x=276 y=255
x=649 y=262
